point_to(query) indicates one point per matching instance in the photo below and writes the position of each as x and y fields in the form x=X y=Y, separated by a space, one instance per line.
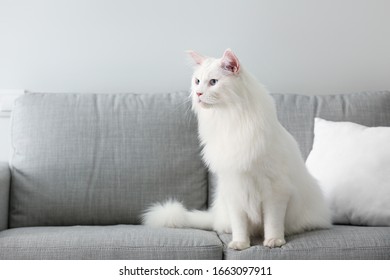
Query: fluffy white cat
x=263 y=185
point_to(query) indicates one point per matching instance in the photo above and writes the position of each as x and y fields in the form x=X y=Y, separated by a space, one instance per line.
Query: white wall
x=302 y=46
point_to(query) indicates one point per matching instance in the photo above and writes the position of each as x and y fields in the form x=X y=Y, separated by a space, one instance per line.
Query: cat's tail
x=174 y=215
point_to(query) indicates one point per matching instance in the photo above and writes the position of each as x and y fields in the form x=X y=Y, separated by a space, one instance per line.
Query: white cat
x=263 y=187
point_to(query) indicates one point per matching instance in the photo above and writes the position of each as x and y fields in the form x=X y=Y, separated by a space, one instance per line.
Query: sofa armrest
x=5 y=182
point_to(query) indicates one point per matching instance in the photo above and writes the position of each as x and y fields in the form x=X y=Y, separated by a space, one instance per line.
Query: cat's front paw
x=239 y=245
x=274 y=242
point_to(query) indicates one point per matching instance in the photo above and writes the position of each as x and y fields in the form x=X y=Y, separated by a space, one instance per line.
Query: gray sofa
x=85 y=166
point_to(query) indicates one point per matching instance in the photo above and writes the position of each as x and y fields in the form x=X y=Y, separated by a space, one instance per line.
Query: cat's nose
x=199 y=93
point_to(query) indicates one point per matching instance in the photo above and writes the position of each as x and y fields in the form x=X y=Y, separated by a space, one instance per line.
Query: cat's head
x=214 y=81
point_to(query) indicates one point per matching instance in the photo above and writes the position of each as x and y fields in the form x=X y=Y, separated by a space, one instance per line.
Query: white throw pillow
x=352 y=165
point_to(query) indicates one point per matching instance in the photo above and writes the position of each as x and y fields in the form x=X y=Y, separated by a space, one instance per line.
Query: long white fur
x=263 y=187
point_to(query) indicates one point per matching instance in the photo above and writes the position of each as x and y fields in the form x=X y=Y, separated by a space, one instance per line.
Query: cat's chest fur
x=230 y=142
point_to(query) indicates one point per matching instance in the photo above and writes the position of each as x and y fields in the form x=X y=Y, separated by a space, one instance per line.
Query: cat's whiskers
x=187 y=113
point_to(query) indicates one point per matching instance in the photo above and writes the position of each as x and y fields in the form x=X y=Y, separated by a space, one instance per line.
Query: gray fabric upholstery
x=98 y=160
x=101 y=159
x=297 y=112
x=118 y=242
x=340 y=242
x=5 y=180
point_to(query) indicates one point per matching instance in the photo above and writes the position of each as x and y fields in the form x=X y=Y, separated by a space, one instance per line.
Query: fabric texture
x=339 y=242
x=352 y=165
x=120 y=242
x=297 y=112
x=5 y=180
x=90 y=159
x=101 y=159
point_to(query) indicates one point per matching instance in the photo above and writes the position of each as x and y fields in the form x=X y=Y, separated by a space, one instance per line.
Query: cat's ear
x=229 y=62
x=196 y=57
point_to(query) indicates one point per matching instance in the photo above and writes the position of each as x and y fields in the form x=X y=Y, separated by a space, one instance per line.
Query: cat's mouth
x=204 y=101
x=204 y=104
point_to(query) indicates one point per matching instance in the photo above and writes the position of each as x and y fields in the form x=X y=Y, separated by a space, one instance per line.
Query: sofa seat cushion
x=108 y=242
x=339 y=242
x=102 y=159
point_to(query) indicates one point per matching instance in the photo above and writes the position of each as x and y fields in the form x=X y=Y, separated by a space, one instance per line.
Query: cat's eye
x=213 y=82
x=197 y=81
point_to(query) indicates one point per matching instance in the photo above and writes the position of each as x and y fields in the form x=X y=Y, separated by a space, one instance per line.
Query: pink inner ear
x=198 y=58
x=230 y=61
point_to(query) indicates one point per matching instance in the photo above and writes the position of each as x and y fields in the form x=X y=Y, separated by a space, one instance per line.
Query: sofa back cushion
x=297 y=112
x=100 y=159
